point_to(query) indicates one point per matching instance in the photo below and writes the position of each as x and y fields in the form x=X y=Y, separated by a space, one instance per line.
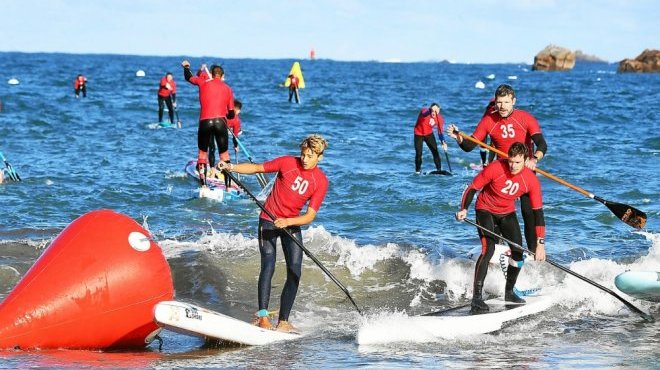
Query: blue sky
x=485 y=31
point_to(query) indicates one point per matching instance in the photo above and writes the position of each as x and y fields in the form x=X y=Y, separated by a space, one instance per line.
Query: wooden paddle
x=298 y=242
x=636 y=310
x=629 y=215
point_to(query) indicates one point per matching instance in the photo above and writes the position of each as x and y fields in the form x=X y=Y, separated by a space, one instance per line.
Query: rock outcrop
x=554 y=58
x=647 y=61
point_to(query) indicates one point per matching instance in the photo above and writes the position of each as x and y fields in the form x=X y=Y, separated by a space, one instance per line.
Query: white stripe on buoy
x=139 y=241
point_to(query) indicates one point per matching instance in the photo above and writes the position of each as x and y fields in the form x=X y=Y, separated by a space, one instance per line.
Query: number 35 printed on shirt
x=300 y=185
x=507 y=131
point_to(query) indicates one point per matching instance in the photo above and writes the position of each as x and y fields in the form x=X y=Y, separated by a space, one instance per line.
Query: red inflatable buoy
x=94 y=287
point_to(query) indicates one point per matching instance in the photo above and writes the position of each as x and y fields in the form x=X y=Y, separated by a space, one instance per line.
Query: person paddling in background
x=299 y=181
x=499 y=185
x=80 y=85
x=505 y=126
x=166 y=95
x=293 y=88
x=216 y=101
x=427 y=119
x=486 y=155
x=234 y=125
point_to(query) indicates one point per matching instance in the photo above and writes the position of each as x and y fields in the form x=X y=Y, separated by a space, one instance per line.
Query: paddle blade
x=630 y=215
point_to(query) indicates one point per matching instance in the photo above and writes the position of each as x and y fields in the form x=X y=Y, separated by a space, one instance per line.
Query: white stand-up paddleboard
x=451 y=323
x=640 y=284
x=192 y=320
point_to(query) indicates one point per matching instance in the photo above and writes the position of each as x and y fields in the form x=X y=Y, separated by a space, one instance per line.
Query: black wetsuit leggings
x=83 y=89
x=268 y=234
x=508 y=227
x=433 y=146
x=209 y=130
x=293 y=93
x=162 y=100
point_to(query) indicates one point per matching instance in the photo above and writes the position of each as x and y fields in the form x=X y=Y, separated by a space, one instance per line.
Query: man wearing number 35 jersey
x=505 y=126
x=298 y=181
x=499 y=185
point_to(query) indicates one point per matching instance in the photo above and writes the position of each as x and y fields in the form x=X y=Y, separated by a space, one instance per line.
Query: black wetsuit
x=268 y=234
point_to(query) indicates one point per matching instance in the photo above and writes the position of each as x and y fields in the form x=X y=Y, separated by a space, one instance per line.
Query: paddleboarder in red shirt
x=505 y=126
x=216 y=101
x=80 y=85
x=427 y=119
x=499 y=185
x=293 y=88
x=299 y=181
x=166 y=95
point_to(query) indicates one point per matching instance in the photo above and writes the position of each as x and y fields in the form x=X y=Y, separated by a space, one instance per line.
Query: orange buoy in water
x=94 y=287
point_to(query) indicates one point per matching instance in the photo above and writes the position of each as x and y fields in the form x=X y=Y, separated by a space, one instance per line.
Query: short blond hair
x=315 y=143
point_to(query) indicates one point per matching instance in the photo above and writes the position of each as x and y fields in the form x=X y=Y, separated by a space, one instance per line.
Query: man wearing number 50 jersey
x=298 y=182
x=499 y=185
x=505 y=126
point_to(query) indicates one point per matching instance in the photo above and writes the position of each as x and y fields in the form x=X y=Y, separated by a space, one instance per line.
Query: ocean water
x=388 y=235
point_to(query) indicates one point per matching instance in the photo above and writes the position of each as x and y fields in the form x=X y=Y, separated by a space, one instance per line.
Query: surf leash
x=629 y=215
x=298 y=242
x=10 y=170
x=636 y=310
x=261 y=178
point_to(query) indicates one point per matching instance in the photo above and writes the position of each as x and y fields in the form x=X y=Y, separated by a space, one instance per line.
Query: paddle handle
x=538 y=170
x=298 y=242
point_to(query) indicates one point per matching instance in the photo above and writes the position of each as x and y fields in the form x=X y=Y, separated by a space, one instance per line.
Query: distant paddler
x=166 y=96
x=295 y=81
x=216 y=101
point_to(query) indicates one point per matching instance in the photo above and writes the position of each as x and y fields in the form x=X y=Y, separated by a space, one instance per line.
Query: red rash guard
x=234 y=124
x=293 y=187
x=294 y=82
x=77 y=83
x=163 y=90
x=518 y=126
x=215 y=97
x=498 y=190
x=425 y=123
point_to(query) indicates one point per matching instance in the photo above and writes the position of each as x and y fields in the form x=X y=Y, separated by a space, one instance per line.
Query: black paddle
x=307 y=252
x=630 y=215
x=176 y=111
x=636 y=310
x=448 y=164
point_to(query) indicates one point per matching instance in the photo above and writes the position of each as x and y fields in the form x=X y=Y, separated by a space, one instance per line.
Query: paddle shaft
x=548 y=175
x=448 y=164
x=298 y=242
x=643 y=314
x=629 y=215
x=10 y=170
x=261 y=178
